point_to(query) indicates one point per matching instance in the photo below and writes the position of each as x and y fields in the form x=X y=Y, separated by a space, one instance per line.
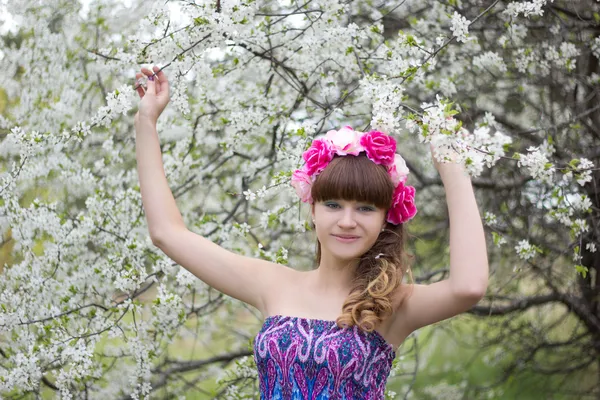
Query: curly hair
x=382 y=268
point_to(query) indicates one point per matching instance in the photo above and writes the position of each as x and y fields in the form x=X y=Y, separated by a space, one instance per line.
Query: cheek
x=372 y=240
x=320 y=230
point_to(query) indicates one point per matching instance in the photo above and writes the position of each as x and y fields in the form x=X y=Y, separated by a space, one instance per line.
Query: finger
x=162 y=78
x=150 y=84
x=139 y=84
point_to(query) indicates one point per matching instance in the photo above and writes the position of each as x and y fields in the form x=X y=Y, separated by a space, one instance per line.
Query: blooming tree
x=90 y=308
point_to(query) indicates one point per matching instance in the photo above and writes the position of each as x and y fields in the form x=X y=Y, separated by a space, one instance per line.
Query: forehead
x=347 y=201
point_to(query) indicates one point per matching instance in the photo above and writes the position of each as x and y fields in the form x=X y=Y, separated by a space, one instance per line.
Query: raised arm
x=244 y=278
x=159 y=205
x=468 y=278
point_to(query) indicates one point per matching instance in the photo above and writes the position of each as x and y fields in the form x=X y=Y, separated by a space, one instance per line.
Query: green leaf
x=496 y=237
x=581 y=270
x=201 y=21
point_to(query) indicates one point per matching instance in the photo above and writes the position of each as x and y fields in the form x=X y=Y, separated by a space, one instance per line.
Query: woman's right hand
x=156 y=96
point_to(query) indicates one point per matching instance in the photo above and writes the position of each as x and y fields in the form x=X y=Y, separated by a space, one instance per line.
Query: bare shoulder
x=421 y=305
x=283 y=283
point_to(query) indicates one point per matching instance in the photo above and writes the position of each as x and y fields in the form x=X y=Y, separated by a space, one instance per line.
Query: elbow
x=472 y=291
x=475 y=293
x=157 y=238
x=155 y=241
x=161 y=236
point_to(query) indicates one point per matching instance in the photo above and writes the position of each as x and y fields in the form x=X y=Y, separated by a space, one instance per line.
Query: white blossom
x=595 y=45
x=525 y=250
x=591 y=247
x=537 y=163
x=490 y=218
x=490 y=60
x=460 y=27
x=527 y=8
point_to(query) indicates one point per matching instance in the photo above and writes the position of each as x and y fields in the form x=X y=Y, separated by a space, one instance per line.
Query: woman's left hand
x=451 y=166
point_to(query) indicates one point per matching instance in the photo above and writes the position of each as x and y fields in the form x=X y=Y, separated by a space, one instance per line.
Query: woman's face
x=347 y=229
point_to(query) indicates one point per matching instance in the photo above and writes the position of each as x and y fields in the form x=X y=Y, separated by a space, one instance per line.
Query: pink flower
x=317 y=156
x=403 y=205
x=303 y=185
x=380 y=147
x=345 y=141
x=398 y=170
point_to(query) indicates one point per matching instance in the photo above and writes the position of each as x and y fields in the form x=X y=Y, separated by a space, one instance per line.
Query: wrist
x=453 y=172
x=145 y=120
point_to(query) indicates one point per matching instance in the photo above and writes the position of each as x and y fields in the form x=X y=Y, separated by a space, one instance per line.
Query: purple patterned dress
x=313 y=359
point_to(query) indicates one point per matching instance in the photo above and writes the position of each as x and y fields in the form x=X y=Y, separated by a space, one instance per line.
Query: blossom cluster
x=537 y=162
x=475 y=150
x=460 y=27
x=526 y=250
x=527 y=8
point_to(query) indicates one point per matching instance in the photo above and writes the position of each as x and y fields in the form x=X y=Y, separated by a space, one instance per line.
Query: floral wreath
x=379 y=148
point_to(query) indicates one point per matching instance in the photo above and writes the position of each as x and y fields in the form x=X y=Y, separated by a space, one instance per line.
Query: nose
x=347 y=220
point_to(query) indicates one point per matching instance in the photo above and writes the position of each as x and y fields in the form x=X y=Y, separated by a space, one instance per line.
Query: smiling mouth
x=346 y=237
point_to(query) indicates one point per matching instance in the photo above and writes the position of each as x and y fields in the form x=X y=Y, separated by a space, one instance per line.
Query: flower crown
x=379 y=147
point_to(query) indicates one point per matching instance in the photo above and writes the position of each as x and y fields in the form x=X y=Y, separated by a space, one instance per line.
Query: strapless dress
x=313 y=359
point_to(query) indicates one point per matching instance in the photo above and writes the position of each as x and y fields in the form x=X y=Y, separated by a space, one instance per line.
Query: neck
x=334 y=275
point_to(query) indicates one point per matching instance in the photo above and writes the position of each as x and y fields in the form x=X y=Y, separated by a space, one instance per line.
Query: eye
x=331 y=205
x=367 y=208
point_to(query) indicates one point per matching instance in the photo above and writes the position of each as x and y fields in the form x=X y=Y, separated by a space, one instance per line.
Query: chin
x=347 y=255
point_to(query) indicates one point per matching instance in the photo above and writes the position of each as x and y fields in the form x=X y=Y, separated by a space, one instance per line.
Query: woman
x=331 y=332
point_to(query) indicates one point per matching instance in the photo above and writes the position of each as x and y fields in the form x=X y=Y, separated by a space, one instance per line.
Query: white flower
x=249 y=195
x=525 y=250
x=537 y=163
x=579 y=226
x=243 y=228
x=185 y=277
x=501 y=241
x=595 y=45
x=447 y=87
x=581 y=203
x=526 y=8
x=460 y=27
x=585 y=167
x=262 y=192
x=591 y=247
x=490 y=219
x=490 y=60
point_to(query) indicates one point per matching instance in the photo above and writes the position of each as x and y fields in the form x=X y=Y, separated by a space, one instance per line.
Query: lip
x=346 y=238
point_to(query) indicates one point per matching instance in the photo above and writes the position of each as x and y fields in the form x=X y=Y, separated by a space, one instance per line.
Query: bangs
x=354 y=178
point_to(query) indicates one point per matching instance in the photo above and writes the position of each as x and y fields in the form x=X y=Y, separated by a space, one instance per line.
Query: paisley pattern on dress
x=313 y=359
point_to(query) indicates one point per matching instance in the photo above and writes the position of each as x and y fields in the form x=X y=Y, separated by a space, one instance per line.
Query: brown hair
x=377 y=279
